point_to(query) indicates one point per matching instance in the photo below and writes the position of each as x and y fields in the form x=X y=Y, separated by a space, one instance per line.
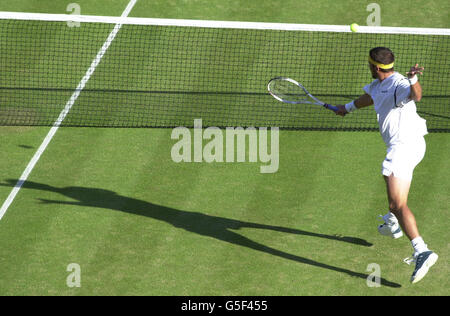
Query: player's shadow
x=216 y=227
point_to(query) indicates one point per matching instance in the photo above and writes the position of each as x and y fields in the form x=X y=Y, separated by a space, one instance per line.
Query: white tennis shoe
x=390 y=228
x=423 y=262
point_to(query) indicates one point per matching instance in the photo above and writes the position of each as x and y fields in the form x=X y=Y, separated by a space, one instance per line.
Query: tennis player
x=403 y=131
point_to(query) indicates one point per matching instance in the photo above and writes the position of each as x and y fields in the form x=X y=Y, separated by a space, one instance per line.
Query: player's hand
x=414 y=70
x=341 y=110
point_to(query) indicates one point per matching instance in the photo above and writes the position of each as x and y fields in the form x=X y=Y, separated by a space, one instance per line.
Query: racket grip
x=331 y=107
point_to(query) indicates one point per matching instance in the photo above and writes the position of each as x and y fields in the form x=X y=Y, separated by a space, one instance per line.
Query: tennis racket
x=288 y=90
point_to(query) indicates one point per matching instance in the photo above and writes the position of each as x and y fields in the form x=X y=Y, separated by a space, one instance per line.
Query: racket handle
x=331 y=107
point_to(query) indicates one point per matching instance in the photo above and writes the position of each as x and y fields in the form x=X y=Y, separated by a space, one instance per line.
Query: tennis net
x=166 y=73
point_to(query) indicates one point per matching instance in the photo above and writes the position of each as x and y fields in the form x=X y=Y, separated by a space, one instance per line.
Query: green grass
x=426 y=14
x=113 y=201
x=137 y=223
x=433 y=14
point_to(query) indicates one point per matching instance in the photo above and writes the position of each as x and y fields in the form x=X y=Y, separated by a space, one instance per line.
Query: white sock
x=419 y=245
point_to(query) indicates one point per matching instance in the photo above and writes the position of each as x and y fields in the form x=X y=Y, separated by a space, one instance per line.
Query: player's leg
x=397 y=191
x=398 y=169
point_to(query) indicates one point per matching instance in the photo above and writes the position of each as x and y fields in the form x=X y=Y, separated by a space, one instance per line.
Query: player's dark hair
x=383 y=55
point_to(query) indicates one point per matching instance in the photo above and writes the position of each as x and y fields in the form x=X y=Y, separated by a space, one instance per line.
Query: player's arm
x=362 y=102
x=416 y=88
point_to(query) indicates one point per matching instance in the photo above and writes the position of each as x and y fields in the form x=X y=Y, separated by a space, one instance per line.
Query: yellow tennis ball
x=354 y=27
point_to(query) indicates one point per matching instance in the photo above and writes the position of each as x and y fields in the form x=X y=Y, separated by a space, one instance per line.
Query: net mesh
x=167 y=76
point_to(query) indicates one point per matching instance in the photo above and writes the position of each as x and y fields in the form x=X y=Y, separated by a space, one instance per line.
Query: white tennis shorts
x=401 y=159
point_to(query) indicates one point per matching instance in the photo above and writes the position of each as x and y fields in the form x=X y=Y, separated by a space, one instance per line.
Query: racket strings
x=288 y=91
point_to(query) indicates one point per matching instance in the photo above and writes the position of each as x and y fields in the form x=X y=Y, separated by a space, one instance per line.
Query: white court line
x=222 y=24
x=64 y=112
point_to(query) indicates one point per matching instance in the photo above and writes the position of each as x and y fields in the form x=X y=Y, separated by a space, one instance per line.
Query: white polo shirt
x=396 y=112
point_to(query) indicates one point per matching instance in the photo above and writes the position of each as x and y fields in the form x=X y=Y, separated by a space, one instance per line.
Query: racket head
x=288 y=90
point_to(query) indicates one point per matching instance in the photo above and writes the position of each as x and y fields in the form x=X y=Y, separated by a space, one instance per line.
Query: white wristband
x=413 y=80
x=350 y=107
